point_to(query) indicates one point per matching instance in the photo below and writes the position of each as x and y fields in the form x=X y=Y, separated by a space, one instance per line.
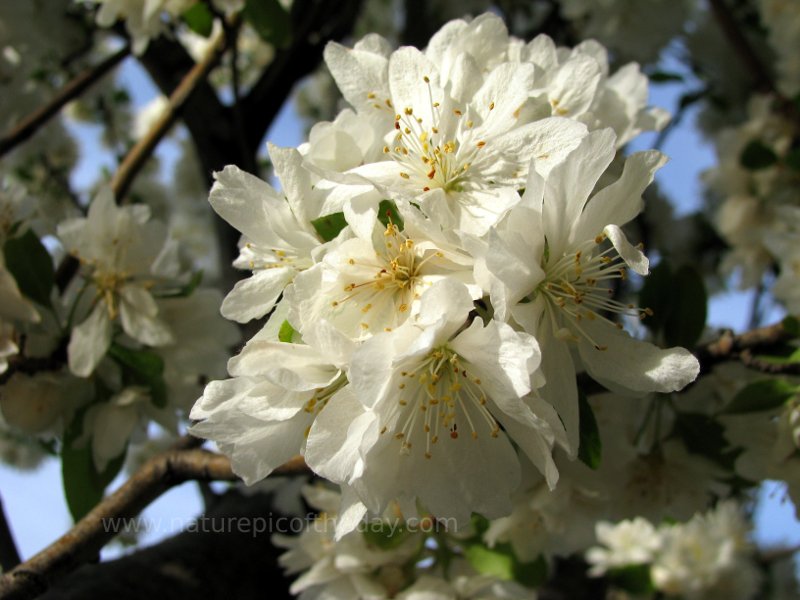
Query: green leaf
x=384 y=535
x=83 y=484
x=703 y=435
x=329 y=226
x=792 y=326
x=31 y=265
x=757 y=156
x=532 y=574
x=792 y=159
x=142 y=367
x=655 y=295
x=491 y=561
x=387 y=213
x=686 y=317
x=286 y=332
x=270 y=20
x=480 y=524
x=762 y=395
x=199 y=19
x=192 y=285
x=501 y=562
x=590 y=451
x=120 y=96
x=665 y=77
x=188 y=289
x=634 y=579
x=782 y=355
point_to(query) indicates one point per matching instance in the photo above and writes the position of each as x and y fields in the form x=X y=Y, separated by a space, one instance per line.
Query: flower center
x=108 y=284
x=391 y=276
x=443 y=397
x=576 y=287
x=433 y=155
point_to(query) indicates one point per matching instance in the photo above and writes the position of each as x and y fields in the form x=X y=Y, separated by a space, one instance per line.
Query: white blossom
x=436 y=393
x=626 y=543
x=278 y=240
x=124 y=257
x=555 y=284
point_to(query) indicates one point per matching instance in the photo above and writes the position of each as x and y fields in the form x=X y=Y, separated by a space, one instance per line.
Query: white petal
x=446 y=298
x=546 y=142
x=351 y=513
x=295 y=180
x=217 y=393
x=633 y=364
x=138 y=313
x=632 y=256
x=255 y=447
x=535 y=445
x=89 y=341
x=358 y=73
x=622 y=200
x=112 y=426
x=560 y=388
x=241 y=199
x=504 y=357
x=333 y=446
x=408 y=68
x=574 y=86
x=255 y=296
x=569 y=184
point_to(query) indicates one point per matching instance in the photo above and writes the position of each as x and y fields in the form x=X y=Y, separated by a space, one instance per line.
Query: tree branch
x=83 y=542
x=740 y=347
x=314 y=26
x=30 y=124
x=139 y=154
x=9 y=555
x=208 y=120
x=226 y=553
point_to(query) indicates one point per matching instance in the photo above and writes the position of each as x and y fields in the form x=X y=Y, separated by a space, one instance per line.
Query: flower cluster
x=707 y=557
x=122 y=325
x=147 y=19
x=438 y=265
x=386 y=557
x=782 y=20
x=759 y=216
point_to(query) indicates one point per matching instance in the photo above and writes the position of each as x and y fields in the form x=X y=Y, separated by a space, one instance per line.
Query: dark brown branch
x=9 y=555
x=30 y=124
x=139 y=154
x=315 y=24
x=741 y=347
x=83 y=542
x=226 y=553
x=753 y=362
x=209 y=122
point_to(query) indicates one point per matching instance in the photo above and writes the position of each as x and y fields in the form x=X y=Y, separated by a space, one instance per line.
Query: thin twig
x=30 y=124
x=138 y=155
x=83 y=542
x=755 y=307
x=9 y=555
x=739 y=347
